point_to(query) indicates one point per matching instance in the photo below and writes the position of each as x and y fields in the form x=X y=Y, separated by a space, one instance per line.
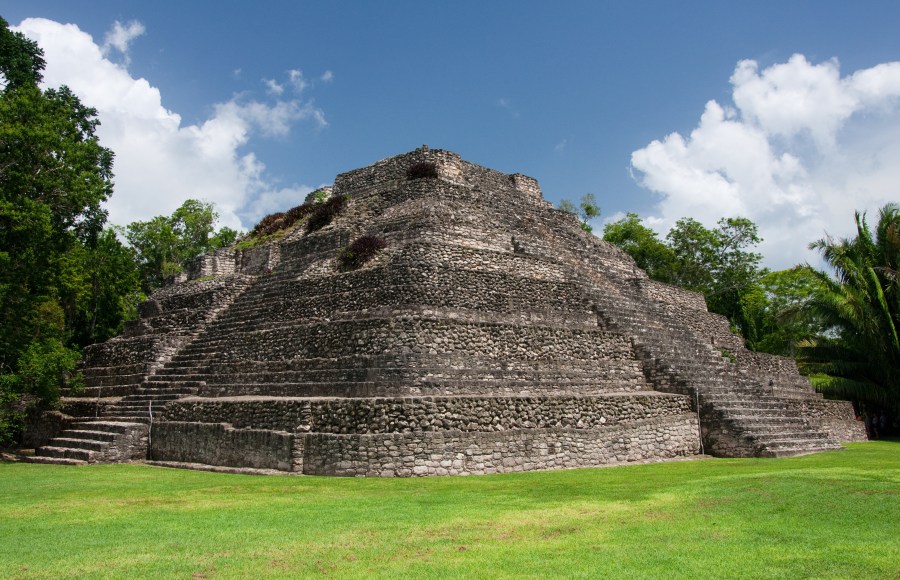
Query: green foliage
x=64 y=282
x=649 y=252
x=111 y=290
x=14 y=409
x=42 y=370
x=715 y=262
x=224 y=238
x=728 y=355
x=587 y=210
x=321 y=195
x=776 y=313
x=163 y=244
x=21 y=60
x=359 y=252
x=858 y=355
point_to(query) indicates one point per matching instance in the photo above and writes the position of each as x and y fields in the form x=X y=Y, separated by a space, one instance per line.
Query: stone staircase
x=120 y=434
x=121 y=431
x=743 y=413
x=744 y=410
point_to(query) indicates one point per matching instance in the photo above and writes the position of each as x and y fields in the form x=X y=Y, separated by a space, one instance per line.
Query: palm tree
x=858 y=357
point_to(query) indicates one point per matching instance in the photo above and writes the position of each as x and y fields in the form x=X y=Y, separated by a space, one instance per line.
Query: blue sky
x=784 y=112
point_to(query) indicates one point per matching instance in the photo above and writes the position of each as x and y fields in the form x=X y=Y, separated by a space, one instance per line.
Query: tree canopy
x=62 y=277
x=164 y=243
x=716 y=262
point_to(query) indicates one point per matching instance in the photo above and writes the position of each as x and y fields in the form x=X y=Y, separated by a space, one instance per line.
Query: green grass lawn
x=827 y=515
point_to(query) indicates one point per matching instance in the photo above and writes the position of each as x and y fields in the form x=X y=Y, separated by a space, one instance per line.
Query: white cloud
x=297 y=80
x=272 y=87
x=159 y=161
x=797 y=152
x=120 y=37
x=327 y=76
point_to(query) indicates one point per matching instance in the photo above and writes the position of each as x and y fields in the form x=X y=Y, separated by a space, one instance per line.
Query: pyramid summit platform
x=488 y=334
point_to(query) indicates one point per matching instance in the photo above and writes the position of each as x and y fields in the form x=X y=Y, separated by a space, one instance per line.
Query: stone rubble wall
x=460 y=453
x=425 y=334
x=447 y=436
x=402 y=415
x=425 y=374
x=685 y=299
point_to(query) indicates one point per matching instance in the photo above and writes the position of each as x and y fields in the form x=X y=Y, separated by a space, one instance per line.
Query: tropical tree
x=54 y=176
x=642 y=243
x=859 y=303
x=716 y=262
x=164 y=243
x=776 y=314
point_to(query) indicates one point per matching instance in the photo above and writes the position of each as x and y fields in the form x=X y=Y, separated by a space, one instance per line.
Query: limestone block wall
x=835 y=417
x=216 y=263
x=42 y=426
x=221 y=444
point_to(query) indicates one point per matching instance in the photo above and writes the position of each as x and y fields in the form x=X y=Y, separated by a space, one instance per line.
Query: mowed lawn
x=827 y=515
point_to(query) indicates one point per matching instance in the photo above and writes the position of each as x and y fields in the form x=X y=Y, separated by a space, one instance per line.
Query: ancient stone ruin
x=489 y=334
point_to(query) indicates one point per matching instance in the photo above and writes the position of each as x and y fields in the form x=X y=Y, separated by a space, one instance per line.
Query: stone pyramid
x=491 y=334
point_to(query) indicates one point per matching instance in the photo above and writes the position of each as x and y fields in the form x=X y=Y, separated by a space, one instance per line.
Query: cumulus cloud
x=327 y=76
x=797 y=151
x=160 y=161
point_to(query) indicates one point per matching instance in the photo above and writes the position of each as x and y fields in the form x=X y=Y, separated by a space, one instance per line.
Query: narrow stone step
x=111 y=425
x=54 y=460
x=90 y=435
x=75 y=443
x=64 y=453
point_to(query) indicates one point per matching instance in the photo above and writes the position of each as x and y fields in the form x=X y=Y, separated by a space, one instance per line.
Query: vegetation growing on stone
x=324 y=213
x=422 y=170
x=268 y=225
x=283 y=220
x=360 y=251
x=587 y=210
